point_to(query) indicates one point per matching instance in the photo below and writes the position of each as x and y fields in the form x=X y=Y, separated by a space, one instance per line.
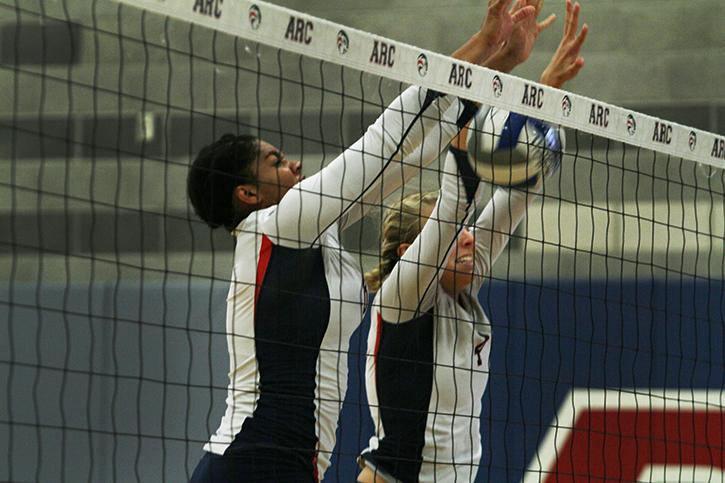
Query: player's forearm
x=321 y=199
x=502 y=61
x=499 y=219
x=476 y=50
x=419 y=268
x=416 y=274
x=395 y=175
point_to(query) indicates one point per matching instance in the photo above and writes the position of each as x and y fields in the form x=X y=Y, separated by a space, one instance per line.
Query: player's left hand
x=566 y=62
x=525 y=33
x=500 y=20
x=494 y=32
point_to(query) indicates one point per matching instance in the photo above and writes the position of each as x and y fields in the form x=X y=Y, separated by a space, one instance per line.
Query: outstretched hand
x=538 y=5
x=566 y=62
x=499 y=23
x=524 y=35
x=495 y=31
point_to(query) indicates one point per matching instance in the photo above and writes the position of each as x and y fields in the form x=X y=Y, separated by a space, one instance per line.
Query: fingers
x=547 y=22
x=519 y=5
x=497 y=6
x=572 y=18
x=523 y=14
x=539 y=4
x=567 y=18
x=573 y=69
x=579 y=41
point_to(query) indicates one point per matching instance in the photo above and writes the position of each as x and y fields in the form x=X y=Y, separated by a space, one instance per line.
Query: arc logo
x=299 y=30
x=497 y=85
x=599 y=116
x=533 y=96
x=692 y=141
x=662 y=133
x=255 y=17
x=383 y=54
x=422 y=65
x=633 y=435
x=343 y=42
x=631 y=125
x=211 y=8
x=718 y=149
x=461 y=76
x=566 y=106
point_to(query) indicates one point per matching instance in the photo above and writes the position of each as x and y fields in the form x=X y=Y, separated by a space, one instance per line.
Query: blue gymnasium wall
x=149 y=421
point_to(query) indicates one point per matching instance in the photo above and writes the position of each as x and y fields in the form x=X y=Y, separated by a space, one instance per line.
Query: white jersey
x=296 y=296
x=427 y=365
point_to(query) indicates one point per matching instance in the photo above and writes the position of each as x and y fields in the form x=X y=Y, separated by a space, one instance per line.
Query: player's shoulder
x=255 y=219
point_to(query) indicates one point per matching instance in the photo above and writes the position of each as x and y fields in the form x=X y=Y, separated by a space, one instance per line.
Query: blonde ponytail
x=402 y=223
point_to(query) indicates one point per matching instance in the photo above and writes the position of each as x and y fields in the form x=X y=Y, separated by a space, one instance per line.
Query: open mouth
x=465 y=259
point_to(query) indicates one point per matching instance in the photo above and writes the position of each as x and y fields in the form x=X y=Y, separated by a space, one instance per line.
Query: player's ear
x=246 y=194
x=402 y=248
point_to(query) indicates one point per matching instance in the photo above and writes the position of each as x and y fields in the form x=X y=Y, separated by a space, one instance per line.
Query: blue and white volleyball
x=508 y=149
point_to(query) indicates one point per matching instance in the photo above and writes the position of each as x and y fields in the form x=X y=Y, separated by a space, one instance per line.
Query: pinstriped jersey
x=427 y=363
x=425 y=379
x=288 y=329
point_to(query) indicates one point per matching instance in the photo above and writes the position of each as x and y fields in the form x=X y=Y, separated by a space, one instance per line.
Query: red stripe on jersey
x=315 y=472
x=377 y=339
x=265 y=252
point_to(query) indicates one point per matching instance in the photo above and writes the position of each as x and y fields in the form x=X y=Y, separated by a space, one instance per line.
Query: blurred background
x=654 y=55
x=660 y=57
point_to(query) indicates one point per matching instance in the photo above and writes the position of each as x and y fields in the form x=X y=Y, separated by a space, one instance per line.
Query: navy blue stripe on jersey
x=261 y=467
x=467 y=174
x=291 y=317
x=469 y=110
x=404 y=383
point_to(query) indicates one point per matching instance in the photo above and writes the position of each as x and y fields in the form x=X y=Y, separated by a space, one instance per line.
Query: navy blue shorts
x=227 y=468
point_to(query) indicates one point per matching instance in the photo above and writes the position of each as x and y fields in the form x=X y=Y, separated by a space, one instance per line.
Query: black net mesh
x=606 y=306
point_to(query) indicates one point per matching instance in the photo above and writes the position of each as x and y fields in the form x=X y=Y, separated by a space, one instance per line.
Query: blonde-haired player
x=429 y=338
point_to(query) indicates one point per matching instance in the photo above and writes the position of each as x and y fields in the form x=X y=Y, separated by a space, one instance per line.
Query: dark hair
x=217 y=170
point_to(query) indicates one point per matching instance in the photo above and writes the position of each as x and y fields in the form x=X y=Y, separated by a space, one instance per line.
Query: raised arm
x=498 y=45
x=524 y=34
x=314 y=204
x=392 y=149
x=508 y=206
x=395 y=175
x=494 y=226
x=408 y=290
x=566 y=62
x=496 y=30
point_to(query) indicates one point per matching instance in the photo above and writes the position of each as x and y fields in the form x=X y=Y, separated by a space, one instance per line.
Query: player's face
x=275 y=174
x=458 y=272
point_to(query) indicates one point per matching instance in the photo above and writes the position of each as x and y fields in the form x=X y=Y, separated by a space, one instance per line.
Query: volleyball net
x=606 y=307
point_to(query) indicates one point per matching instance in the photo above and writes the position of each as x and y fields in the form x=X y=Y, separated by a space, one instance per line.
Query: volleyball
x=508 y=149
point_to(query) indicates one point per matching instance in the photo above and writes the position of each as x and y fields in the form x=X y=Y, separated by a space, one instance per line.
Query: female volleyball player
x=429 y=338
x=296 y=296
